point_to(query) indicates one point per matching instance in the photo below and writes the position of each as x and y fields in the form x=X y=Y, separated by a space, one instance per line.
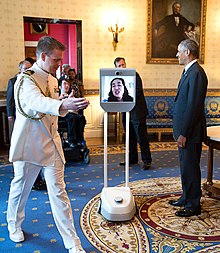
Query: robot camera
x=118 y=73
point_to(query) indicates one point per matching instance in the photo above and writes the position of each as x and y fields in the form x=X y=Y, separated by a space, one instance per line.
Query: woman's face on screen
x=118 y=89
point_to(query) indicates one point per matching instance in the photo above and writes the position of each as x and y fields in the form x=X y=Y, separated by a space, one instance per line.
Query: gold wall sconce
x=115 y=32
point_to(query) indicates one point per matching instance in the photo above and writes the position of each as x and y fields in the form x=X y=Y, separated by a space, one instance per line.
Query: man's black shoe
x=188 y=212
x=146 y=166
x=178 y=203
x=131 y=162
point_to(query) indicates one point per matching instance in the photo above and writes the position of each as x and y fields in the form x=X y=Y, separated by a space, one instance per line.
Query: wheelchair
x=78 y=153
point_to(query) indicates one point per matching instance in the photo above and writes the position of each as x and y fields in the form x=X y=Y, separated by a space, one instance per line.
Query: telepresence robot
x=117 y=203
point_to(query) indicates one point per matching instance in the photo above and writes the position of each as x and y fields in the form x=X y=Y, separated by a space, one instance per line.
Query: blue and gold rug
x=154 y=228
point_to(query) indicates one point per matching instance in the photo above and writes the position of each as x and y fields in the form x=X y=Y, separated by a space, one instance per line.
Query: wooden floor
x=166 y=137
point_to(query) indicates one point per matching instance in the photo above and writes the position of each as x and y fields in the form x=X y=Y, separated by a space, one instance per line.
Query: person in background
x=75 y=122
x=10 y=102
x=189 y=127
x=64 y=87
x=75 y=84
x=39 y=183
x=36 y=144
x=64 y=73
x=137 y=124
x=78 y=88
x=118 y=91
x=31 y=60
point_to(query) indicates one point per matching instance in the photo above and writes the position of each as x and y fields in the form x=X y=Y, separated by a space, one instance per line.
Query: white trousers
x=25 y=175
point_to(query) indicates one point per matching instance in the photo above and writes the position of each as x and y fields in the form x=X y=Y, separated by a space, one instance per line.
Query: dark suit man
x=189 y=127
x=23 y=65
x=137 y=124
x=174 y=27
x=10 y=102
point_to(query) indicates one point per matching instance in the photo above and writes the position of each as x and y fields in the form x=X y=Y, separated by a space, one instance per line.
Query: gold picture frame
x=160 y=29
x=38 y=28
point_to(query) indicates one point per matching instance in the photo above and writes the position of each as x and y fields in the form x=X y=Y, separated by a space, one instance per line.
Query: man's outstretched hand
x=74 y=104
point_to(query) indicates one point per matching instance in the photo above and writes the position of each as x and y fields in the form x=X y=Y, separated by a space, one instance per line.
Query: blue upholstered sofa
x=160 y=106
x=212 y=108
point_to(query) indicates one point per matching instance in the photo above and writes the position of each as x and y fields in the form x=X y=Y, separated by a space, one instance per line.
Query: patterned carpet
x=112 y=149
x=155 y=228
x=115 y=149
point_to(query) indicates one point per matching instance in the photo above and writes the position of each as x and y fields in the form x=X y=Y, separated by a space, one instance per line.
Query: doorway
x=68 y=32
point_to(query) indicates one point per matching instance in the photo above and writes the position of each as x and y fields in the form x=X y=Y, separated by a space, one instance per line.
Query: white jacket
x=35 y=141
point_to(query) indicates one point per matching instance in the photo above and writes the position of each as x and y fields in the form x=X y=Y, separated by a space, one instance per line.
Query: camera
x=118 y=73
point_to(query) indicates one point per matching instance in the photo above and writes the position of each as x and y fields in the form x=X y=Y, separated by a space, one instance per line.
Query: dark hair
x=61 y=80
x=47 y=45
x=192 y=46
x=31 y=60
x=125 y=97
x=60 y=85
x=117 y=60
x=174 y=5
x=72 y=69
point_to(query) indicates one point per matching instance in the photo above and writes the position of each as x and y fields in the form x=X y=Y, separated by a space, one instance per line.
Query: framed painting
x=30 y=52
x=168 y=23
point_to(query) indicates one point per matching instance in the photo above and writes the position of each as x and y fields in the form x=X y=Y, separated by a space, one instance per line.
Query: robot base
x=117 y=204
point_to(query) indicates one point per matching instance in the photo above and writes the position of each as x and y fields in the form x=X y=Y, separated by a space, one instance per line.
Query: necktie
x=182 y=77
x=183 y=74
x=180 y=82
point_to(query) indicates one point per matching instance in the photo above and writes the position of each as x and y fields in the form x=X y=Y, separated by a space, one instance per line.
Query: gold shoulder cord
x=21 y=111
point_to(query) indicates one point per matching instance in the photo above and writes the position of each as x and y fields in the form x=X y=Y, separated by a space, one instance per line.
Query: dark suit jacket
x=189 y=115
x=173 y=33
x=10 y=102
x=140 y=110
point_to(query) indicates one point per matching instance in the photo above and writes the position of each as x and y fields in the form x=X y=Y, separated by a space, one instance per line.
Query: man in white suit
x=36 y=144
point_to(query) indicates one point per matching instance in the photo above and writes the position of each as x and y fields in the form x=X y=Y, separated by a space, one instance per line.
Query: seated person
x=75 y=121
x=64 y=73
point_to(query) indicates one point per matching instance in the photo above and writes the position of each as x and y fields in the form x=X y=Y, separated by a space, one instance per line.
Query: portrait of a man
x=170 y=22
